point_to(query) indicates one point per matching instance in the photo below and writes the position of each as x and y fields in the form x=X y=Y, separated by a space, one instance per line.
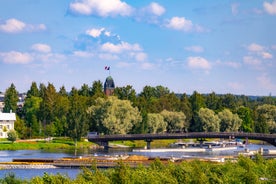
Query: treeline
x=51 y=112
x=244 y=170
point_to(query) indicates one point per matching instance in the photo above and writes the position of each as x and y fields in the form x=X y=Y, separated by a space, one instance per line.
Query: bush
x=12 y=136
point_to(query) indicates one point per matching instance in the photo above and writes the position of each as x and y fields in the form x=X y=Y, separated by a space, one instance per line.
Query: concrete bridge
x=104 y=139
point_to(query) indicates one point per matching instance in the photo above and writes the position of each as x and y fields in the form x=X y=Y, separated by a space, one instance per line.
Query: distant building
x=6 y=123
x=109 y=86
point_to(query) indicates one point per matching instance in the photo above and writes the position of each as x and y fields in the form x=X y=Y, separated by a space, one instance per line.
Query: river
x=7 y=156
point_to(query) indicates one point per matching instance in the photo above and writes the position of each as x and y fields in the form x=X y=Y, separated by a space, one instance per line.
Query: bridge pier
x=148 y=143
x=104 y=144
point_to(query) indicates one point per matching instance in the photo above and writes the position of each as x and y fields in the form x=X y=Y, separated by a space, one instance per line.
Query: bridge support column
x=104 y=144
x=148 y=143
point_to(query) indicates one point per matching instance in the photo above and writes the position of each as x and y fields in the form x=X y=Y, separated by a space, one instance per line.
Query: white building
x=6 y=123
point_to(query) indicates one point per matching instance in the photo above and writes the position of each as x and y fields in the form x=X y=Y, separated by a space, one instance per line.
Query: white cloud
x=17 y=26
x=96 y=32
x=83 y=54
x=39 y=47
x=259 y=50
x=180 y=23
x=108 y=56
x=249 y=60
x=255 y=47
x=14 y=57
x=140 y=56
x=198 y=63
x=102 y=8
x=266 y=55
x=229 y=64
x=270 y=8
x=123 y=46
x=195 y=48
x=12 y=26
x=156 y=9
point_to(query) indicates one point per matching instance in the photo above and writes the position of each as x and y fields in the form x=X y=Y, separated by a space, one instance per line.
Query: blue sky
x=209 y=46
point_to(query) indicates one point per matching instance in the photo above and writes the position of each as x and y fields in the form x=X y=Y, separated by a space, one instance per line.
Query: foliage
x=209 y=120
x=244 y=170
x=175 y=120
x=114 y=116
x=12 y=136
x=229 y=122
x=266 y=119
x=10 y=99
x=156 y=123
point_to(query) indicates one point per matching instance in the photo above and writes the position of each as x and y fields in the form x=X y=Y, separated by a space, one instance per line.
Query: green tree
x=10 y=99
x=213 y=102
x=229 y=122
x=33 y=91
x=175 y=120
x=125 y=93
x=197 y=101
x=12 y=136
x=209 y=120
x=114 y=116
x=97 y=89
x=84 y=91
x=156 y=123
x=246 y=115
x=77 y=116
x=265 y=119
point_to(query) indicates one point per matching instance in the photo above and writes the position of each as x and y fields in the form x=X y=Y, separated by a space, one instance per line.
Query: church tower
x=109 y=86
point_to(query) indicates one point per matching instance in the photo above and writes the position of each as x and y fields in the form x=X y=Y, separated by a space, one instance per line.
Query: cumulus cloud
x=95 y=32
x=119 y=48
x=255 y=47
x=14 y=57
x=259 y=50
x=155 y=9
x=182 y=24
x=102 y=8
x=270 y=8
x=17 y=26
x=198 y=63
x=39 y=47
x=195 y=48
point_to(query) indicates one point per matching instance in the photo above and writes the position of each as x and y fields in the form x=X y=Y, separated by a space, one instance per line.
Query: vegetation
x=48 y=112
x=12 y=136
x=244 y=170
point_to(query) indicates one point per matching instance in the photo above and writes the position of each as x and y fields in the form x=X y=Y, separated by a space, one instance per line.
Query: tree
x=213 y=102
x=229 y=122
x=265 y=119
x=245 y=114
x=84 y=91
x=33 y=91
x=12 y=136
x=175 y=120
x=113 y=116
x=156 y=123
x=197 y=101
x=209 y=120
x=77 y=116
x=97 y=89
x=31 y=109
x=125 y=93
x=10 y=99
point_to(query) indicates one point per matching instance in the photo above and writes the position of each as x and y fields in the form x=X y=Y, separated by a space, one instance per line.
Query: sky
x=206 y=46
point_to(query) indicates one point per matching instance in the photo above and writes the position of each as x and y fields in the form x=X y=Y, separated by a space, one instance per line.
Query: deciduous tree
x=209 y=120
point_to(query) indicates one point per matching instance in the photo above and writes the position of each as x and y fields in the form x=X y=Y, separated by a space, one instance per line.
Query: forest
x=48 y=111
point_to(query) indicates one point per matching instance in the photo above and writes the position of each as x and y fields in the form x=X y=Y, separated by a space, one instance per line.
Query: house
x=6 y=123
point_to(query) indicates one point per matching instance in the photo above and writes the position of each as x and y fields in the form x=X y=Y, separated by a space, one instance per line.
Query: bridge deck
x=270 y=138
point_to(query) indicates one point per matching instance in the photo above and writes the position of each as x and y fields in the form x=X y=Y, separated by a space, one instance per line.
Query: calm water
x=7 y=156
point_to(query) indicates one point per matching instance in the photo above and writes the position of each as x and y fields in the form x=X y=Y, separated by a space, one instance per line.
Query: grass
x=55 y=144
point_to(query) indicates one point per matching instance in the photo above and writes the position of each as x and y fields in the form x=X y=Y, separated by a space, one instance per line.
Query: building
x=109 y=86
x=6 y=123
